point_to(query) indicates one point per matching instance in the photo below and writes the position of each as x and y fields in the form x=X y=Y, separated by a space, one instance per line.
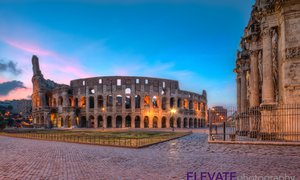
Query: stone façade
x=115 y=102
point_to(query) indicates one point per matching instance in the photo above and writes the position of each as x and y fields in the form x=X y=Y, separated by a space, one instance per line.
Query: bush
x=2 y=123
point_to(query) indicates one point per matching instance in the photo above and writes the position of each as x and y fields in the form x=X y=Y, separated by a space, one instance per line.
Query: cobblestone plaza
x=31 y=159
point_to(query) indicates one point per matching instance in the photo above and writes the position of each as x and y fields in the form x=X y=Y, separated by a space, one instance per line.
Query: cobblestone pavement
x=33 y=159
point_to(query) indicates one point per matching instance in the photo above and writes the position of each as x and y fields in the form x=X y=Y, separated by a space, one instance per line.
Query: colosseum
x=115 y=102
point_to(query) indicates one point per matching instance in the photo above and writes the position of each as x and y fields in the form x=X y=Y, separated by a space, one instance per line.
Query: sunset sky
x=193 y=41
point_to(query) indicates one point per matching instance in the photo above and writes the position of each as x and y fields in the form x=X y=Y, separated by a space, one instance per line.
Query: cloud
x=6 y=87
x=9 y=66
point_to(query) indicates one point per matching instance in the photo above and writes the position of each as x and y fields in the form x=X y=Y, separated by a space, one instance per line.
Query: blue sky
x=193 y=41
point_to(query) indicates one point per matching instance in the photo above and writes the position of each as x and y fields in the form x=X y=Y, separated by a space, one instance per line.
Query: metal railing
x=277 y=123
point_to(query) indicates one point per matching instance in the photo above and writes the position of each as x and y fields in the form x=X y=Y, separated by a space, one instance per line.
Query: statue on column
x=275 y=61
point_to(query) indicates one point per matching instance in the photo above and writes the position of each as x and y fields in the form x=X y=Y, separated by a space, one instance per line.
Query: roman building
x=268 y=68
x=115 y=102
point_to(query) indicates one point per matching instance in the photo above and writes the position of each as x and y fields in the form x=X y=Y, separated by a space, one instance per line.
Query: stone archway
x=163 y=122
x=128 y=121
x=109 y=122
x=91 y=122
x=68 y=122
x=83 y=123
x=137 y=122
x=185 y=123
x=100 y=121
x=146 y=122
x=171 y=122
x=179 y=122
x=155 y=122
x=119 y=122
x=191 y=123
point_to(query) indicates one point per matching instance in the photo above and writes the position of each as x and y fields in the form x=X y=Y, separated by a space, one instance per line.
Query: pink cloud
x=28 y=47
x=54 y=66
x=19 y=93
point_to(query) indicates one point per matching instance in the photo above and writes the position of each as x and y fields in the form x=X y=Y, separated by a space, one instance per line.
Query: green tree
x=2 y=122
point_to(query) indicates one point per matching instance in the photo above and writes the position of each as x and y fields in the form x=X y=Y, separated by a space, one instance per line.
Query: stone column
x=104 y=120
x=268 y=84
x=243 y=92
x=238 y=92
x=254 y=96
x=254 y=80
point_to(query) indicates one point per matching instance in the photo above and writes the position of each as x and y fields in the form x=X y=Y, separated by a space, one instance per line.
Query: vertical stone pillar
x=254 y=80
x=268 y=84
x=243 y=92
x=175 y=121
x=104 y=120
x=238 y=93
x=132 y=125
x=168 y=122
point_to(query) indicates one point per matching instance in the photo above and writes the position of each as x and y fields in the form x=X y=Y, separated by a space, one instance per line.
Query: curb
x=256 y=143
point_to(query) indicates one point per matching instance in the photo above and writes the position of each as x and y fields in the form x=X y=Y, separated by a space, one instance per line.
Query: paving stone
x=31 y=159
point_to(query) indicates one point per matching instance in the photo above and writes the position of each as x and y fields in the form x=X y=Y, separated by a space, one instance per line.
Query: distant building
x=22 y=107
x=218 y=114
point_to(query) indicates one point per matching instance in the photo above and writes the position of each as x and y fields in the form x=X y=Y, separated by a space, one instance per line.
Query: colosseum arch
x=155 y=102
x=42 y=120
x=91 y=122
x=119 y=101
x=82 y=102
x=185 y=104
x=191 y=123
x=70 y=102
x=60 y=122
x=83 y=123
x=54 y=102
x=146 y=101
x=119 y=122
x=60 y=101
x=195 y=123
x=172 y=101
x=128 y=121
x=100 y=101
x=190 y=104
x=172 y=122
x=185 y=123
x=109 y=101
x=137 y=101
x=155 y=122
x=53 y=122
x=137 y=122
x=68 y=122
x=109 y=122
x=128 y=102
x=163 y=122
x=179 y=122
x=100 y=121
x=76 y=102
x=146 y=122
x=179 y=103
x=91 y=102
x=195 y=105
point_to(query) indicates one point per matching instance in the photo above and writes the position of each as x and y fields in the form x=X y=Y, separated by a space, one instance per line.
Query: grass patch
x=134 y=139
